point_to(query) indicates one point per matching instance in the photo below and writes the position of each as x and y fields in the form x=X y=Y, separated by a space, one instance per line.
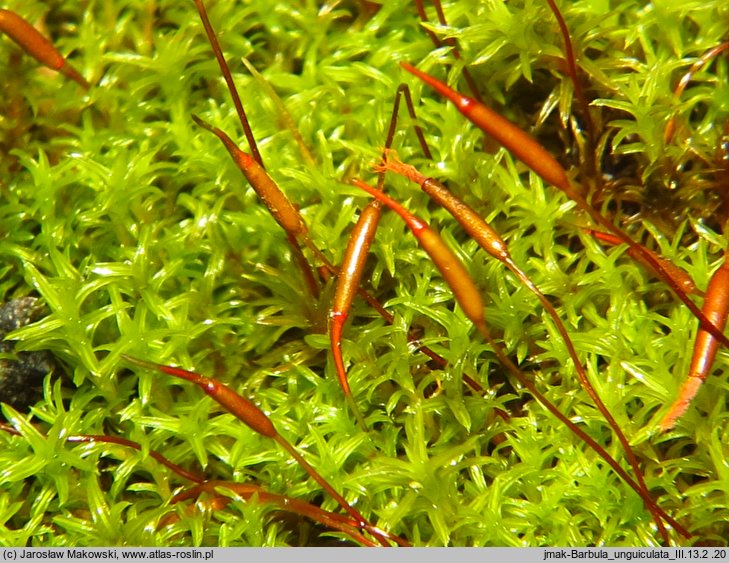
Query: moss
x=141 y=237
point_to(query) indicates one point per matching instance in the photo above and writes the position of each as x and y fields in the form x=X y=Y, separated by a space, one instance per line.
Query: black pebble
x=21 y=374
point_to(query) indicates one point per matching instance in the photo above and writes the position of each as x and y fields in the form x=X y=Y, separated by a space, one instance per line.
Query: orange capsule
x=677 y=274
x=492 y=243
x=450 y=267
x=716 y=308
x=525 y=147
x=243 y=409
x=534 y=155
x=470 y=300
x=37 y=46
x=277 y=203
x=253 y=417
x=349 y=274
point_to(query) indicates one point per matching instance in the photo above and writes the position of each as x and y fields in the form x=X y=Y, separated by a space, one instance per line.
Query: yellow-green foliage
x=142 y=238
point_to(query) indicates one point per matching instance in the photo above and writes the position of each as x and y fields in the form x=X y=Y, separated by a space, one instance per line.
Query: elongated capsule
x=491 y=242
x=534 y=155
x=679 y=276
x=354 y=259
x=525 y=147
x=278 y=204
x=471 y=221
x=243 y=409
x=253 y=417
x=350 y=273
x=37 y=46
x=716 y=308
x=450 y=267
x=355 y=256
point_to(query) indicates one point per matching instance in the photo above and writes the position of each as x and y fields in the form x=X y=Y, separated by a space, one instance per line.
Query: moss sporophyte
x=352 y=399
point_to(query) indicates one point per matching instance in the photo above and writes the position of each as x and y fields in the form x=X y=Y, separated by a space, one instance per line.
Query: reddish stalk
x=244 y=490
x=452 y=43
x=102 y=438
x=469 y=299
x=225 y=69
x=249 y=414
x=248 y=492
x=572 y=71
x=491 y=242
x=535 y=156
x=703 y=60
